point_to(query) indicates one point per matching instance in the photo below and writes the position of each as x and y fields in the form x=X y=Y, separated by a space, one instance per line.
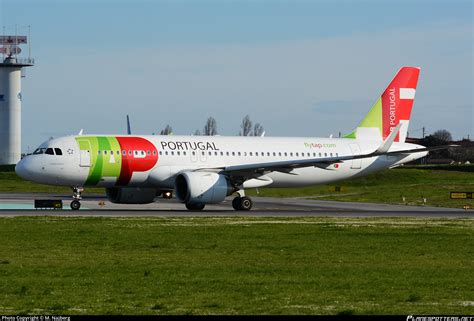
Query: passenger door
x=84 y=153
x=356 y=163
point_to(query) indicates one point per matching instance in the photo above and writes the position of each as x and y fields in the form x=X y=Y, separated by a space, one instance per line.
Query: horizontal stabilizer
x=389 y=141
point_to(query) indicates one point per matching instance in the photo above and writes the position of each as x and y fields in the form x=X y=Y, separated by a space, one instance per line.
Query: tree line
x=247 y=128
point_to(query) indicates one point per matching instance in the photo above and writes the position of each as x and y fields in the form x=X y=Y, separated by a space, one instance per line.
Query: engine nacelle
x=202 y=187
x=131 y=195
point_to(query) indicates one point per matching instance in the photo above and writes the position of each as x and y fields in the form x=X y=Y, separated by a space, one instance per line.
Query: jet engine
x=202 y=187
x=131 y=195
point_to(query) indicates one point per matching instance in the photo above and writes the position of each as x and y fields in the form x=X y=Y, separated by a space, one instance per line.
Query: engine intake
x=202 y=187
x=131 y=195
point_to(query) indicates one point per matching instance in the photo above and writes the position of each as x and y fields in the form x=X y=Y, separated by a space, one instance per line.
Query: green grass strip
x=236 y=265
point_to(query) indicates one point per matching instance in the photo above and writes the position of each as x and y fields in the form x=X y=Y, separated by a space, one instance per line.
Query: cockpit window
x=49 y=151
x=39 y=151
x=58 y=151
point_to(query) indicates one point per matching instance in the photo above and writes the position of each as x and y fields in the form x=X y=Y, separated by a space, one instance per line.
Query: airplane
x=203 y=170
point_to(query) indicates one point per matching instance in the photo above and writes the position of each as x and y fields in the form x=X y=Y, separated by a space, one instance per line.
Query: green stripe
x=101 y=165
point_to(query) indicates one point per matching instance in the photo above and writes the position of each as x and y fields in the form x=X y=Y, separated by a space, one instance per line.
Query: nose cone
x=21 y=169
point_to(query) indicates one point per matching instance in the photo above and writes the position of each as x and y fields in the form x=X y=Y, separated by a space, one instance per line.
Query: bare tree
x=257 y=130
x=246 y=126
x=167 y=130
x=210 y=129
x=443 y=135
x=197 y=132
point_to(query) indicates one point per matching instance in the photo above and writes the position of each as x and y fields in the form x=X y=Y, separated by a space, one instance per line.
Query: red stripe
x=131 y=163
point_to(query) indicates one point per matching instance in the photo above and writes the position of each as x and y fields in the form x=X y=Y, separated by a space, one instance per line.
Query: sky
x=300 y=68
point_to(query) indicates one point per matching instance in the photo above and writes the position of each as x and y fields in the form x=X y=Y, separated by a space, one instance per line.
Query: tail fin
x=393 y=107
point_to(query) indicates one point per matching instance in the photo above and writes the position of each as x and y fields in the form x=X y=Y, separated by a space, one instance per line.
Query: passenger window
x=210 y=153
x=98 y=152
x=297 y=154
x=130 y=153
x=319 y=154
x=279 y=154
x=154 y=152
x=233 y=153
x=314 y=154
x=49 y=151
x=194 y=153
x=274 y=154
x=184 y=153
x=331 y=154
x=148 y=152
x=250 y=153
x=215 y=153
x=325 y=154
x=227 y=153
x=268 y=153
x=238 y=153
x=124 y=152
x=143 y=153
x=166 y=153
x=105 y=152
x=117 y=152
x=172 y=153
x=337 y=154
x=161 y=153
x=58 y=151
x=203 y=153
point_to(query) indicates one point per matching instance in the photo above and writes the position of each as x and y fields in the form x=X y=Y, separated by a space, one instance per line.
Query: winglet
x=80 y=132
x=389 y=141
x=129 y=130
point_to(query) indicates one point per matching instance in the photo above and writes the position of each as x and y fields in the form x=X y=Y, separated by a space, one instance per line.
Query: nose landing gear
x=76 y=197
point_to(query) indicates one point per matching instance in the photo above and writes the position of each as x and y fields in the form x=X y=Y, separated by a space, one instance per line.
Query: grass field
x=236 y=266
x=388 y=186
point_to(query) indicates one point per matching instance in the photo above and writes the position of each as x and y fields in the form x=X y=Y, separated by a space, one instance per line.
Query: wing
x=287 y=166
x=256 y=170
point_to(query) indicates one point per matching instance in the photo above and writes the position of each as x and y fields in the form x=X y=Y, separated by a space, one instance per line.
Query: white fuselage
x=155 y=161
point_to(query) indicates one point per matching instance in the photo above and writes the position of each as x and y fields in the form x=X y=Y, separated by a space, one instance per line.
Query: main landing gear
x=76 y=197
x=242 y=203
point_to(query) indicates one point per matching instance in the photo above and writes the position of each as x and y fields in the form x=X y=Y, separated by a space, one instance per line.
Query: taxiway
x=16 y=204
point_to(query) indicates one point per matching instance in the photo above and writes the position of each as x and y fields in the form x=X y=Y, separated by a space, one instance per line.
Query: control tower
x=11 y=72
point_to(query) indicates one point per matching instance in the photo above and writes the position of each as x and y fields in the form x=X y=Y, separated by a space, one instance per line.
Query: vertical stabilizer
x=393 y=107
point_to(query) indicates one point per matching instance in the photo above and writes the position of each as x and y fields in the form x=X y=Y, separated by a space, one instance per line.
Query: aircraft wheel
x=245 y=203
x=236 y=203
x=195 y=207
x=75 y=205
x=242 y=203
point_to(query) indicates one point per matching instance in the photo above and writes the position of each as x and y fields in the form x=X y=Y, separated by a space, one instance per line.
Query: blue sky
x=301 y=68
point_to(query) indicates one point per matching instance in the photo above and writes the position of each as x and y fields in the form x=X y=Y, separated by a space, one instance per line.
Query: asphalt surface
x=15 y=204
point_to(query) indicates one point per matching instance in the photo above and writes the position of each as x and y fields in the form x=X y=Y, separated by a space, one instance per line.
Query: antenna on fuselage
x=129 y=130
